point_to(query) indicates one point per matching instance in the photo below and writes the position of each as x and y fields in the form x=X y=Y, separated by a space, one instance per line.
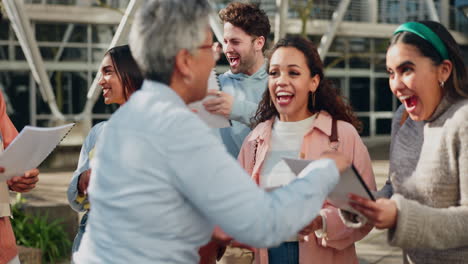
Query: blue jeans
x=79 y=235
x=286 y=253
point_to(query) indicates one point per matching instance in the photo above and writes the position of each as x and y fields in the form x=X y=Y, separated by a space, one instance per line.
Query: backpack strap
x=334 y=139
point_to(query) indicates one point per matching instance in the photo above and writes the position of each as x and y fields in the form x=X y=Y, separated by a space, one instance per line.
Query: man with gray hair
x=157 y=194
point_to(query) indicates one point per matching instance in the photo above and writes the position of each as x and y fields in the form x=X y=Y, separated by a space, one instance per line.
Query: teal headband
x=426 y=33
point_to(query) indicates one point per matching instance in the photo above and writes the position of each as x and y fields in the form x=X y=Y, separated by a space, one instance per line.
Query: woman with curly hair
x=302 y=115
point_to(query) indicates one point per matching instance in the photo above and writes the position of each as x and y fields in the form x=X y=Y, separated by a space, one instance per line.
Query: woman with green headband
x=427 y=209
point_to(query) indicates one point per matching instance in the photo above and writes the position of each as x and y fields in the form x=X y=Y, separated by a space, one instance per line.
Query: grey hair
x=164 y=27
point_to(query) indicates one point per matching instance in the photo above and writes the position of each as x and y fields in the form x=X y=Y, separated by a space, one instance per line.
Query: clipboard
x=350 y=182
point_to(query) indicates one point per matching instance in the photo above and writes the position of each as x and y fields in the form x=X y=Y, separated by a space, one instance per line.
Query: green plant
x=37 y=231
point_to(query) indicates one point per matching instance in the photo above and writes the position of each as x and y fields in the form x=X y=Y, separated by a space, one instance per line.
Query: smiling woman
x=427 y=213
x=296 y=118
x=119 y=79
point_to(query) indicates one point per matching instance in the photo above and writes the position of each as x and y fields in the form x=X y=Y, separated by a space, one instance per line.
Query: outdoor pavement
x=373 y=249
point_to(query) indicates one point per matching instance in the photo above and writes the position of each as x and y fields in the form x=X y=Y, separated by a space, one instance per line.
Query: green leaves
x=36 y=231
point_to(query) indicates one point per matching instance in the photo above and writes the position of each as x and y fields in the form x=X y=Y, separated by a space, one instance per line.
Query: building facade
x=73 y=35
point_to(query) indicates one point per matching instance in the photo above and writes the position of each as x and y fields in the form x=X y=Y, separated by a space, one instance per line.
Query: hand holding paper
x=24 y=183
x=350 y=182
x=382 y=213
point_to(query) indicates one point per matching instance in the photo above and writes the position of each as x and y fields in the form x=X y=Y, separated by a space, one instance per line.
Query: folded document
x=30 y=148
x=350 y=182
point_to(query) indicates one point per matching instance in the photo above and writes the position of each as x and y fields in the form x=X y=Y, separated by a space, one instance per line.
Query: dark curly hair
x=248 y=17
x=327 y=97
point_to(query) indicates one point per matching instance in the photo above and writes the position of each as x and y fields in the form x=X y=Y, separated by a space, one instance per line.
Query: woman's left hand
x=382 y=213
x=314 y=225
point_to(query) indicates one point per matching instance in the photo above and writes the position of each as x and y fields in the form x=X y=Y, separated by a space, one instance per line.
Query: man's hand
x=24 y=183
x=341 y=161
x=382 y=213
x=83 y=182
x=221 y=104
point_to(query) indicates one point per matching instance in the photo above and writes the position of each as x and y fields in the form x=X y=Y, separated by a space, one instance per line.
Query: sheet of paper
x=350 y=182
x=212 y=120
x=30 y=148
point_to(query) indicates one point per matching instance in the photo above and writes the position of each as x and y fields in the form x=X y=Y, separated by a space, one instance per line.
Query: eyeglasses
x=215 y=49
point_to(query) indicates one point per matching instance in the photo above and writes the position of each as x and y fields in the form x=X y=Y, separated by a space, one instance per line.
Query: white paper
x=30 y=148
x=212 y=120
x=350 y=182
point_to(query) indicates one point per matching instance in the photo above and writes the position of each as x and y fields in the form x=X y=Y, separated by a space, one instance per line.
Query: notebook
x=30 y=148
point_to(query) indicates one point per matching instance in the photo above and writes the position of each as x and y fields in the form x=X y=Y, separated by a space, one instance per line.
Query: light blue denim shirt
x=247 y=92
x=161 y=181
x=83 y=165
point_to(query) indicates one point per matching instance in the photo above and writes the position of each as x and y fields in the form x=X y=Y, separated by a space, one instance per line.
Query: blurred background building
x=73 y=35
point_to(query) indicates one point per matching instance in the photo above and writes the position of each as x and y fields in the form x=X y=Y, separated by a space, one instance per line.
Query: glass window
x=359 y=94
x=48 y=53
x=61 y=2
x=361 y=45
x=103 y=33
x=365 y=126
x=381 y=45
x=19 y=55
x=3 y=52
x=383 y=95
x=79 y=33
x=380 y=63
x=70 y=90
x=384 y=126
x=359 y=62
x=334 y=62
x=50 y=32
x=4 y=29
x=16 y=85
x=74 y=54
x=98 y=55
x=338 y=45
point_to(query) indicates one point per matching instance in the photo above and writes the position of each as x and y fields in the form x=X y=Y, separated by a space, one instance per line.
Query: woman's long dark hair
x=327 y=97
x=126 y=68
x=456 y=86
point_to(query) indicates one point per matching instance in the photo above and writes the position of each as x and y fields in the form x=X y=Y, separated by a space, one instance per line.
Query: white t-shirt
x=286 y=141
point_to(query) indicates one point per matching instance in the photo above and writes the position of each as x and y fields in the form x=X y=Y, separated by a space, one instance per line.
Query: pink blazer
x=339 y=247
x=8 y=248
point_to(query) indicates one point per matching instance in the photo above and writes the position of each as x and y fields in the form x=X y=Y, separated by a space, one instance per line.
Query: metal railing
x=389 y=11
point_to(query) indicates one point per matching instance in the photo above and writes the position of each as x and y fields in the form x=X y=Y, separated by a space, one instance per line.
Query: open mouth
x=105 y=91
x=234 y=61
x=284 y=98
x=410 y=102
